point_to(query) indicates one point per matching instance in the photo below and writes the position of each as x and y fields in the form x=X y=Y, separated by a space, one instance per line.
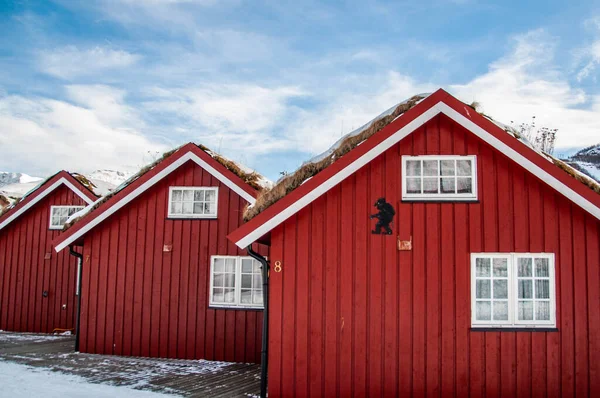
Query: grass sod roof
x=290 y=182
x=16 y=200
x=250 y=177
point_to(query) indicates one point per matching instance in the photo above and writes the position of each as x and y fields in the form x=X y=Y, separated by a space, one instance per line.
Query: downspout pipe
x=265 y=332
x=79 y=257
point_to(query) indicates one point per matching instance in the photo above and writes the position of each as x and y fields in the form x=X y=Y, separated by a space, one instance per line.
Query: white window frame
x=238 y=285
x=188 y=216
x=52 y=208
x=513 y=306
x=440 y=196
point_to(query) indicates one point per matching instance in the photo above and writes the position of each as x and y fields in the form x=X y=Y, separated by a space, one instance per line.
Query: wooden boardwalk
x=179 y=377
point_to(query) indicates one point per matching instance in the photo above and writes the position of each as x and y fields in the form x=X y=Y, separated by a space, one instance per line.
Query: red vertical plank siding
x=375 y=321
x=25 y=272
x=147 y=280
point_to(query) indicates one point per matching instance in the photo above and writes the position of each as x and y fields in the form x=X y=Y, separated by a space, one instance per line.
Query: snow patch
x=25 y=381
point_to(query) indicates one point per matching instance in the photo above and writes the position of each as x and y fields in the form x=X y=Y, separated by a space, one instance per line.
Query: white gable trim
x=41 y=196
x=148 y=184
x=438 y=108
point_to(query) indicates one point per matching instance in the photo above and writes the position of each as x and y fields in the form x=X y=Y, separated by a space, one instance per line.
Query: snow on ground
x=27 y=337
x=24 y=381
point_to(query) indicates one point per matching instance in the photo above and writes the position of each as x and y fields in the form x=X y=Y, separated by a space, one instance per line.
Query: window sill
x=191 y=218
x=239 y=308
x=439 y=200
x=515 y=329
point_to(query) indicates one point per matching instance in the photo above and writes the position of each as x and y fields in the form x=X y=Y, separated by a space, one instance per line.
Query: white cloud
x=525 y=83
x=589 y=56
x=71 y=62
x=236 y=116
x=43 y=135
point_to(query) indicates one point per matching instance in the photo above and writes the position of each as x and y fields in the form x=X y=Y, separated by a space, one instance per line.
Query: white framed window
x=235 y=282
x=193 y=202
x=60 y=214
x=434 y=177
x=513 y=290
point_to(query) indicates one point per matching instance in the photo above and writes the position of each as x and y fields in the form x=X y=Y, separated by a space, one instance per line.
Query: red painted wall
x=25 y=273
x=139 y=300
x=353 y=316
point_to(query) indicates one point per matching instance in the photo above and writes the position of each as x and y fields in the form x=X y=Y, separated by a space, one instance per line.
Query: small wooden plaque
x=404 y=245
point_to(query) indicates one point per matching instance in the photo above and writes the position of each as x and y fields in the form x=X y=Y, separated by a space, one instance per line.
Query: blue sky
x=109 y=83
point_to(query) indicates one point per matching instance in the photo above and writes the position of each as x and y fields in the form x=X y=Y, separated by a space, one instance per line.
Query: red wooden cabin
x=37 y=285
x=488 y=285
x=160 y=278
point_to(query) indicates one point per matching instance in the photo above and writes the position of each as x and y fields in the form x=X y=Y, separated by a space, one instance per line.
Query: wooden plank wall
x=353 y=316
x=139 y=300
x=25 y=272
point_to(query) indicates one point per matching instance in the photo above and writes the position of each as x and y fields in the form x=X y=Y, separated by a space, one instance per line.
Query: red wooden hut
x=482 y=280
x=160 y=278
x=38 y=286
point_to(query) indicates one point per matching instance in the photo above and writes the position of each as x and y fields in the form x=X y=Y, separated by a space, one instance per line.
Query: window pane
x=482 y=289
x=64 y=212
x=210 y=208
x=257 y=281
x=198 y=208
x=230 y=265
x=483 y=311
x=430 y=185
x=218 y=280
x=500 y=267
x=542 y=289
x=218 y=295
x=482 y=266
x=541 y=268
x=463 y=167
x=413 y=185
x=188 y=208
x=229 y=295
x=542 y=310
x=246 y=296
x=176 y=208
x=176 y=195
x=525 y=310
x=257 y=266
x=247 y=265
x=464 y=185
x=199 y=195
x=525 y=289
x=210 y=196
x=188 y=195
x=219 y=265
x=501 y=289
x=501 y=310
x=246 y=281
x=447 y=167
x=430 y=168
x=524 y=267
x=229 y=280
x=257 y=297
x=448 y=185
x=413 y=167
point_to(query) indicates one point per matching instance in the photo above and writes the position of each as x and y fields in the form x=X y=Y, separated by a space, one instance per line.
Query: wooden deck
x=179 y=377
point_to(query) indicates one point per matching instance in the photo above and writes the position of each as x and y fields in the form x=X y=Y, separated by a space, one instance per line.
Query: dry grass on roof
x=587 y=181
x=308 y=170
x=251 y=179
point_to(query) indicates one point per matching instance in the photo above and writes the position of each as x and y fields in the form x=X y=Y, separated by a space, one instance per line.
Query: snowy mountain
x=113 y=177
x=587 y=161
x=15 y=185
x=7 y=178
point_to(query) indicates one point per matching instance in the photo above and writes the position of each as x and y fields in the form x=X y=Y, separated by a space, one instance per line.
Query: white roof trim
x=148 y=184
x=438 y=108
x=41 y=196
